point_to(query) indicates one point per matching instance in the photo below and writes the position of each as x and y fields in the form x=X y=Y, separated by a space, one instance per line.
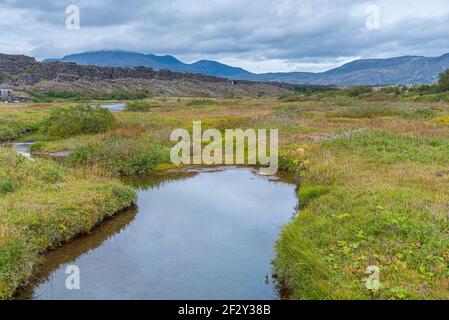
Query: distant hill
x=400 y=70
x=133 y=59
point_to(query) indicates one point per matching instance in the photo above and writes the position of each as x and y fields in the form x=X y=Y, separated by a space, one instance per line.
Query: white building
x=6 y=94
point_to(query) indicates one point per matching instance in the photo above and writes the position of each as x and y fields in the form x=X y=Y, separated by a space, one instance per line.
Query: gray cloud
x=258 y=34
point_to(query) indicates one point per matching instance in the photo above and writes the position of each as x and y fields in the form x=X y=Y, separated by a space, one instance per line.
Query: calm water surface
x=114 y=107
x=192 y=235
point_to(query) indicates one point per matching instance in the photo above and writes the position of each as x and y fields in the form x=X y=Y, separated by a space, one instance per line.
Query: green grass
x=309 y=192
x=388 y=148
x=369 y=112
x=324 y=252
x=43 y=205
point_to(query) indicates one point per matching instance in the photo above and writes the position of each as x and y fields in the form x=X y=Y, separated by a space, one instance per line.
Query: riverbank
x=372 y=199
x=42 y=206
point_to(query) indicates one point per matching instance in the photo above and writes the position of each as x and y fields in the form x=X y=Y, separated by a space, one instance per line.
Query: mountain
x=133 y=59
x=400 y=70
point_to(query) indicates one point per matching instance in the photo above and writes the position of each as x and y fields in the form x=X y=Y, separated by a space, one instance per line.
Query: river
x=194 y=234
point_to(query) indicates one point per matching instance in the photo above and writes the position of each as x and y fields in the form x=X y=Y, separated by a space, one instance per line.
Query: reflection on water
x=193 y=235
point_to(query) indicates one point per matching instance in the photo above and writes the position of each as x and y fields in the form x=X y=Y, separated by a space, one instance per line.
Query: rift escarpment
x=23 y=72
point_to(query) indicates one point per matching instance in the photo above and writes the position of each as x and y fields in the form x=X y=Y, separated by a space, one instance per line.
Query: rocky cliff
x=23 y=70
x=23 y=73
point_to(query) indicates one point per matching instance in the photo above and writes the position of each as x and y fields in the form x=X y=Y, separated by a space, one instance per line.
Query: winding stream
x=196 y=234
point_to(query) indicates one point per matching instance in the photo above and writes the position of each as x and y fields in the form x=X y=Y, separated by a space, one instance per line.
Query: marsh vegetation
x=371 y=164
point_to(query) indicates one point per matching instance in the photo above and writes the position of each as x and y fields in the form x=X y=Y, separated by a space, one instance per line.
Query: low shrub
x=138 y=106
x=72 y=121
x=85 y=95
x=120 y=156
x=12 y=128
x=5 y=186
x=356 y=91
x=6 y=133
x=424 y=113
x=199 y=102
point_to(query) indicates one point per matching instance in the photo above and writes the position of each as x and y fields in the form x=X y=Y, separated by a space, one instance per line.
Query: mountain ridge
x=396 y=70
x=117 y=58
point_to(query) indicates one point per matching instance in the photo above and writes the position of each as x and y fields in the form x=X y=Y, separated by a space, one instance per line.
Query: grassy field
x=374 y=181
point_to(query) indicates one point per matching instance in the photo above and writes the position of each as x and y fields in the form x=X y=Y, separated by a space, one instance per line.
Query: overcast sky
x=258 y=35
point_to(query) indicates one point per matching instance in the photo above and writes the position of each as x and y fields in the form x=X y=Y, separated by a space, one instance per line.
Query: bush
x=443 y=81
x=424 y=113
x=358 y=91
x=85 y=95
x=6 y=133
x=120 y=156
x=50 y=172
x=199 y=102
x=138 y=106
x=63 y=123
x=5 y=186
x=12 y=128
